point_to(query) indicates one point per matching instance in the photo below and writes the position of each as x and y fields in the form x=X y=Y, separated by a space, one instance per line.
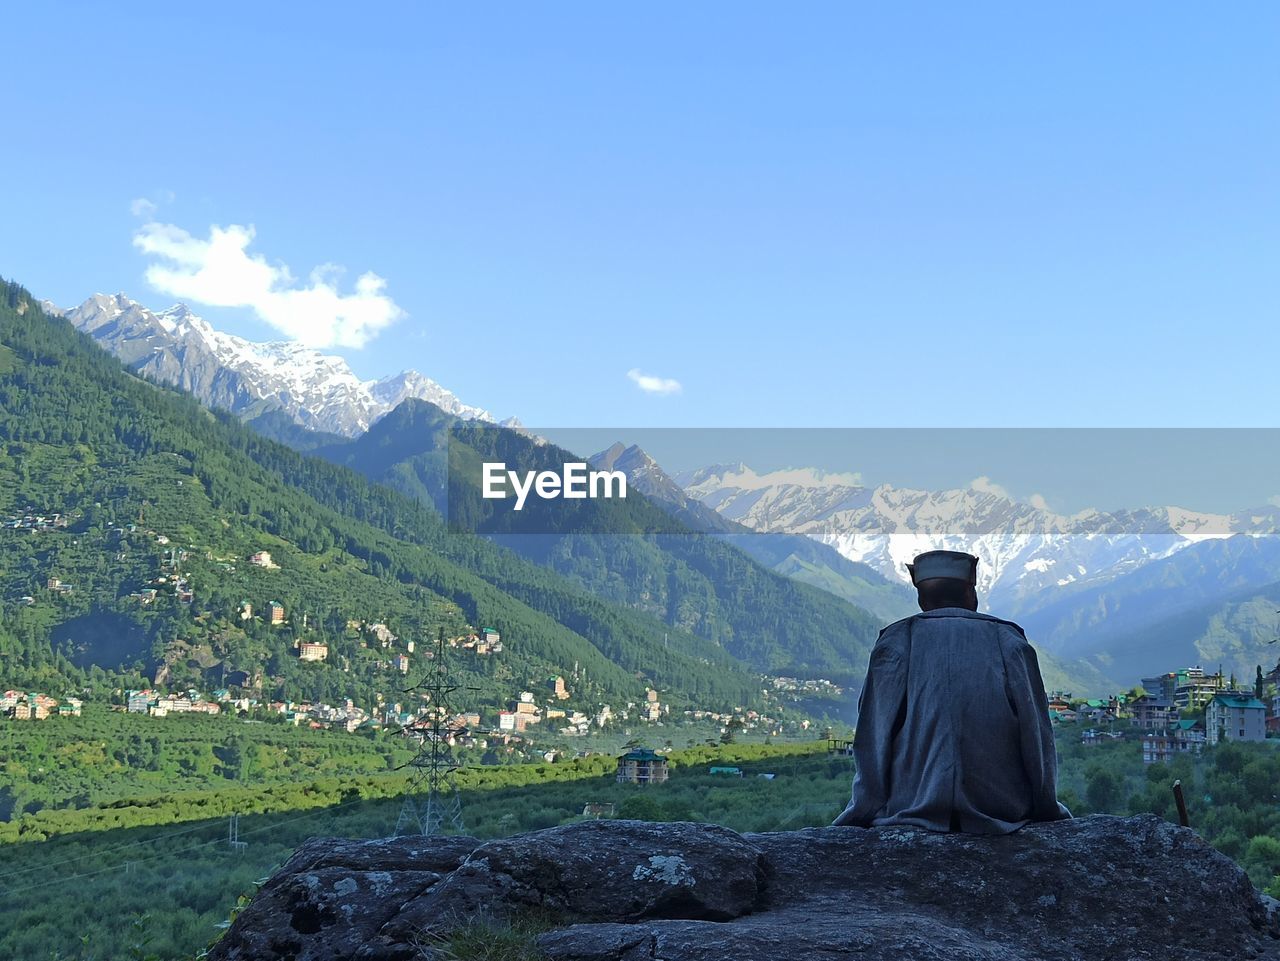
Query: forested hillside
x=148 y=485
x=632 y=553
x=721 y=585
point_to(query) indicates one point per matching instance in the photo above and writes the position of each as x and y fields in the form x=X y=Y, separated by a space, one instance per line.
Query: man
x=953 y=723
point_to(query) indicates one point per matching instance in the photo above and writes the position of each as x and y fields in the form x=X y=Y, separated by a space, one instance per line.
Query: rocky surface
x=1098 y=888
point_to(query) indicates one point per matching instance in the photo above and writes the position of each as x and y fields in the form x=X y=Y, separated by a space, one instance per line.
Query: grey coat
x=953 y=729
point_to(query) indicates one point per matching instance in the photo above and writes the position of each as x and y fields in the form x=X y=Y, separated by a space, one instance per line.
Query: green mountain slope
x=409 y=450
x=632 y=553
x=150 y=484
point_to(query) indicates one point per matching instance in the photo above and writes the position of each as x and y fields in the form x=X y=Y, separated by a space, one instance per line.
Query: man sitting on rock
x=953 y=723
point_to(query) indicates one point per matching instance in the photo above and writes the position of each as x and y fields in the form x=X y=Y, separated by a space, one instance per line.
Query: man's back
x=953 y=729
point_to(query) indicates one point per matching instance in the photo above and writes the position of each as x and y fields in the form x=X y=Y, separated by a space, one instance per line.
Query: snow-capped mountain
x=1024 y=550
x=643 y=473
x=318 y=391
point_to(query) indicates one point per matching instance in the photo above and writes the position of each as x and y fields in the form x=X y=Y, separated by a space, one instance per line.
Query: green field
x=165 y=853
x=94 y=882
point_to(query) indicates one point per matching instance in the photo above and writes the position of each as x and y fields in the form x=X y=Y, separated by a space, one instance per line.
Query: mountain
x=792 y=555
x=1028 y=553
x=633 y=552
x=129 y=512
x=1169 y=609
x=1086 y=586
x=317 y=391
x=744 y=603
x=818 y=565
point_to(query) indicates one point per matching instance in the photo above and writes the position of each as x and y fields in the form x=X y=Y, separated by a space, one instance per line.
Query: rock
x=1101 y=888
x=593 y=870
x=334 y=895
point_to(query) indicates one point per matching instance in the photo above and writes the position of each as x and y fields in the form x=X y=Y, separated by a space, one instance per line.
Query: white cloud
x=1274 y=501
x=220 y=272
x=985 y=485
x=1039 y=503
x=654 y=385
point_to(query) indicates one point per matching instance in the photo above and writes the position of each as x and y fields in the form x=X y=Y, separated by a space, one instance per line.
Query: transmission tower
x=432 y=804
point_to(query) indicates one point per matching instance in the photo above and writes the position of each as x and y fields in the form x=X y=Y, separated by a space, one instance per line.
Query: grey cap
x=953 y=564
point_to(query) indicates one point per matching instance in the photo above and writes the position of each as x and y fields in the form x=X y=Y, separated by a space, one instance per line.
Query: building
x=402 y=663
x=523 y=714
x=597 y=809
x=1098 y=711
x=651 y=710
x=275 y=613
x=1185 y=737
x=34 y=707
x=1193 y=688
x=556 y=685
x=642 y=766
x=262 y=559
x=1155 y=712
x=309 y=651
x=246 y=611
x=1235 y=717
x=139 y=702
x=1189 y=688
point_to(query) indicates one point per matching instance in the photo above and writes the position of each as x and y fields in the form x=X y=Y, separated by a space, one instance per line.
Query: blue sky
x=804 y=215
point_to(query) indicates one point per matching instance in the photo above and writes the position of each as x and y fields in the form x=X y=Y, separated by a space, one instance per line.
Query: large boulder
x=1101 y=888
x=333 y=895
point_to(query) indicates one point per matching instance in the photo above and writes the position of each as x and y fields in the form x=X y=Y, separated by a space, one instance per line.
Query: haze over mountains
x=1131 y=592
x=1025 y=550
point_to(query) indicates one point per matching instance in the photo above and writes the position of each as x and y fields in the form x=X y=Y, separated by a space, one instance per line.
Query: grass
x=492 y=939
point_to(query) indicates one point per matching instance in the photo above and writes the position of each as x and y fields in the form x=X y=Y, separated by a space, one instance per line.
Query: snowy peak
x=318 y=391
x=643 y=472
x=741 y=477
x=102 y=309
x=392 y=391
x=1024 y=549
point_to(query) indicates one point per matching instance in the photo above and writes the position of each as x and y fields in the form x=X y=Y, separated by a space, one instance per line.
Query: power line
x=134 y=862
x=109 y=850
